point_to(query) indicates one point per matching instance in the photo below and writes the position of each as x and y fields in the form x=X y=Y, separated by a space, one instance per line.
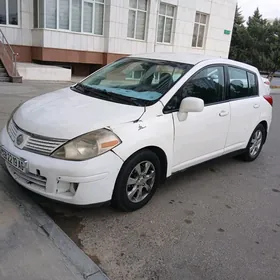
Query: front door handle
x=256 y=106
x=223 y=113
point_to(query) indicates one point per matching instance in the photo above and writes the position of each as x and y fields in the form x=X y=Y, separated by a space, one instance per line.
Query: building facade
x=85 y=34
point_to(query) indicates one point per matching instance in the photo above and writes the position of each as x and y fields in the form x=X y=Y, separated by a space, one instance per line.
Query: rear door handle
x=256 y=106
x=223 y=113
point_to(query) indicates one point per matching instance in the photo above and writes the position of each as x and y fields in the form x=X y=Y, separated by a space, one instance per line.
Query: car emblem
x=19 y=139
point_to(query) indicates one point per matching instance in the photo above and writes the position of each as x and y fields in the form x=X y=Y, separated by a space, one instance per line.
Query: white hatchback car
x=120 y=132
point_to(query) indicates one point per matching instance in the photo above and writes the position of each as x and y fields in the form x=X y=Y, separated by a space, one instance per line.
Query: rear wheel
x=255 y=144
x=137 y=181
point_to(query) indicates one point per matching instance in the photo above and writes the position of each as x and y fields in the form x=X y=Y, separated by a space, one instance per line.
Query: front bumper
x=75 y=182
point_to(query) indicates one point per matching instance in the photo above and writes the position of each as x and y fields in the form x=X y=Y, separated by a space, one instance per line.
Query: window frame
x=205 y=32
x=93 y=2
x=7 y=15
x=225 y=94
x=228 y=83
x=133 y=78
x=135 y=21
x=173 y=18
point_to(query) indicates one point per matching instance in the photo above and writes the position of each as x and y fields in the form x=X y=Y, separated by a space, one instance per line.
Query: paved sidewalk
x=32 y=246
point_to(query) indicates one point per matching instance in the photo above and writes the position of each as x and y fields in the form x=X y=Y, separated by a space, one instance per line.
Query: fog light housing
x=67 y=187
x=74 y=187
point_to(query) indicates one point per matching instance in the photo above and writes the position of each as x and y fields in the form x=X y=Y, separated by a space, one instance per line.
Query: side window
x=239 y=86
x=253 y=84
x=208 y=84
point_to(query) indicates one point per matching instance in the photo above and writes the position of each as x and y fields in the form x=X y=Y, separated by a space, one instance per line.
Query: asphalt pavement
x=275 y=81
x=219 y=220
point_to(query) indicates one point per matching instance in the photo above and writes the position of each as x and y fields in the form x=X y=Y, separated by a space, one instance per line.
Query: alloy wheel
x=140 y=181
x=256 y=143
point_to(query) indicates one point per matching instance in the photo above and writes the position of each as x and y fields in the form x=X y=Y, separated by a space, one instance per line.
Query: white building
x=84 y=34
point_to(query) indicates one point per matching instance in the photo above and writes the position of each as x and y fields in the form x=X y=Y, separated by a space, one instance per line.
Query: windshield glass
x=136 y=81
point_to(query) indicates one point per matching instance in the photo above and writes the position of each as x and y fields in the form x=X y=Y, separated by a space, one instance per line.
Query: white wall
x=115 y=29
x=217 y=43
x=222 y=18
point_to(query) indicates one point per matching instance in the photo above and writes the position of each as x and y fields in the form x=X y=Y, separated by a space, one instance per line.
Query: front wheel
x=255 y=144
x=137 y=181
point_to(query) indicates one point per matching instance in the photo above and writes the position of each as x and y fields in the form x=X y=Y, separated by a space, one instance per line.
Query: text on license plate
x=13 y=160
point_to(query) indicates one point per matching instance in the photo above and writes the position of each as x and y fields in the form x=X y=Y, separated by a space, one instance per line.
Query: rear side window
x=242 y=83
x=253 y=86
x=238 y=83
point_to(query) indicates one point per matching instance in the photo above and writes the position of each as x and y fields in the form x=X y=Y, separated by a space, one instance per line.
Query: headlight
x=88 y=145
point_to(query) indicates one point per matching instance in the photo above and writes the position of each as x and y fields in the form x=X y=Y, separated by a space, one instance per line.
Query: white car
x=123 y=130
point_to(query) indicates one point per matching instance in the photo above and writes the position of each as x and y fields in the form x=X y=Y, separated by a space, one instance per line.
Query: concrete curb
x=88 y=269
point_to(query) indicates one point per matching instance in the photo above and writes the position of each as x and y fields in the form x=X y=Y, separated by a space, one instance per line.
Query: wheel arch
x=265 y=125
x=160 y=154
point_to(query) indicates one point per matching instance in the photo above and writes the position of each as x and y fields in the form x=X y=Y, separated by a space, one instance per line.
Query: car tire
x=137 y=181
x=255 y=144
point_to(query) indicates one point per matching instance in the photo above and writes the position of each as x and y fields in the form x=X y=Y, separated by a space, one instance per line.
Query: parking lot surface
x=219 y=220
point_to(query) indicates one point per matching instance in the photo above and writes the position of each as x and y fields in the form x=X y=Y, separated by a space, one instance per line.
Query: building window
x=199 y=31
x=51 y=13
x=135 y=75
x=165 y=23
x=9 y=12
x=75 y=15
x=64 y=14
x=88 y=14
x=137 y=17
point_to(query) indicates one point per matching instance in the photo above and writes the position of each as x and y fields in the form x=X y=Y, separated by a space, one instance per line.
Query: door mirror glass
x=190 y=104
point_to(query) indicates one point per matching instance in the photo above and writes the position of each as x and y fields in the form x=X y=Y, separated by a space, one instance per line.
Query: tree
x=259 y=31
x=240 y=38
x=258 y=43
x=238 y=18
x=274 y=48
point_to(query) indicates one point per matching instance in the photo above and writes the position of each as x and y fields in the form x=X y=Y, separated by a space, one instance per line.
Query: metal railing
x=8 y=56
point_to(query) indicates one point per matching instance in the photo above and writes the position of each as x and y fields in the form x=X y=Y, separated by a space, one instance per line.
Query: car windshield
x=140 y=82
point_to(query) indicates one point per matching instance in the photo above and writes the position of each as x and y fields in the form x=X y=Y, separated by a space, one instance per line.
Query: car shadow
x=72 y=219
x=58 y=209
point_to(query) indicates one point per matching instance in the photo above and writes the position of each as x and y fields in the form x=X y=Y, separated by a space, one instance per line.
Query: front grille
x=42 y=146
x=34 y=143
x=28 y=178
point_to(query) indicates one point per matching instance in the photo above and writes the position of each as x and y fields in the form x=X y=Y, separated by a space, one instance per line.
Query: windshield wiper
x=78 y=88
x=107 y=95
x=86 y=90
x=118 y=97
x=123 y=98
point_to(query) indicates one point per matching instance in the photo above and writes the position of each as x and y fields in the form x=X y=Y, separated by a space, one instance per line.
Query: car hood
x=66 y=114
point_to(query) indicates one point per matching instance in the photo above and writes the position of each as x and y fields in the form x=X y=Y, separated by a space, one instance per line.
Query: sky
x=270 y=9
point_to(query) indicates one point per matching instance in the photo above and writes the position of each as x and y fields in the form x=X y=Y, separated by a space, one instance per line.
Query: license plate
x=16 y=162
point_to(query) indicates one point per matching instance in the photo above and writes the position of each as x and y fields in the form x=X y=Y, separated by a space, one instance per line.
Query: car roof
x=193 y=59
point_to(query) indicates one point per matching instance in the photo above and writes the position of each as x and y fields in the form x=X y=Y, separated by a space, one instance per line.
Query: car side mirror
x=190 y=104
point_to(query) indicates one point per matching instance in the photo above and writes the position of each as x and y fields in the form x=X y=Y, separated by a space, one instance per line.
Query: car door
x=244 y=107
x=202 y=135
